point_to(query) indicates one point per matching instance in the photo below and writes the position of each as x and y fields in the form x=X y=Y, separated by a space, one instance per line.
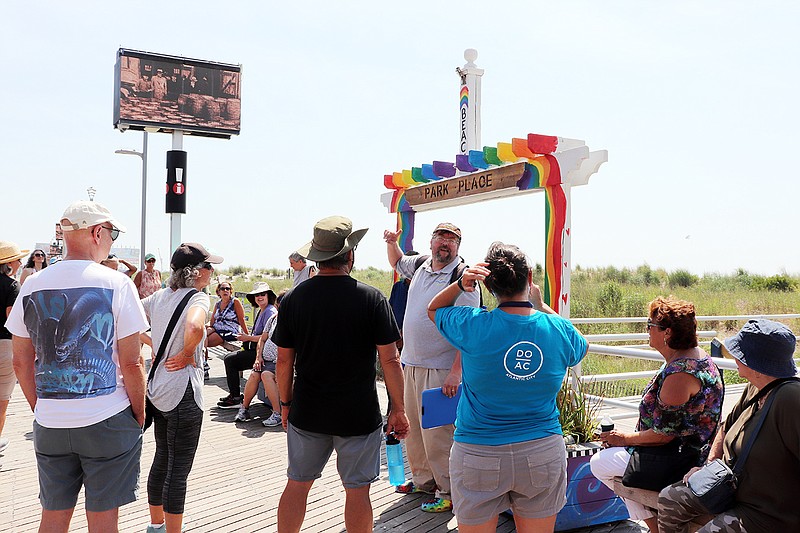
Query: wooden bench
x=649 y=498
x=220 y=352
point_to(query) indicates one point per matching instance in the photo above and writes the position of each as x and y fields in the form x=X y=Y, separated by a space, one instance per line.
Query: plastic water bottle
x=606 y=424
x=394 y=458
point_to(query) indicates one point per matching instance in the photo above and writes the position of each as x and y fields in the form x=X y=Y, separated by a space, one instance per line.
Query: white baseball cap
x=85 y=214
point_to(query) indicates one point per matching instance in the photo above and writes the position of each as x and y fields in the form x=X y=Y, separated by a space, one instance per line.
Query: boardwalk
x=235 y=485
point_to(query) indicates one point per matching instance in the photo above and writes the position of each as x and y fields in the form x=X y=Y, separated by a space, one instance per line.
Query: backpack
x=458 y=271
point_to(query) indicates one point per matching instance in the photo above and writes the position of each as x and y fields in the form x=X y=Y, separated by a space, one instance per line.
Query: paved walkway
x=235 y=484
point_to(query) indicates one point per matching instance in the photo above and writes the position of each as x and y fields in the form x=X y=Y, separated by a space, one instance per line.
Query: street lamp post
x=143 y=156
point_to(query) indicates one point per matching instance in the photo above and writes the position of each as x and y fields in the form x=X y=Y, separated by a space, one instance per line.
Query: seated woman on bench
x=227 y=320
x=681 y=403
x=264 y=372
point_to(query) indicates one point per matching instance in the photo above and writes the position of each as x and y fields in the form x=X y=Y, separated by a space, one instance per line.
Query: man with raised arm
x=75 y=330
x=429 y=361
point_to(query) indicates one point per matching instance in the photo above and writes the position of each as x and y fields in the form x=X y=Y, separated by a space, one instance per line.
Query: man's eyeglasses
x=451 y=240
x=651 y=324
x=207 y=266
x=113 y=231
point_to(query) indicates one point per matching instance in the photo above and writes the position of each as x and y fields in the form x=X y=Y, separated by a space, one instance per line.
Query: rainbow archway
x=523 y=166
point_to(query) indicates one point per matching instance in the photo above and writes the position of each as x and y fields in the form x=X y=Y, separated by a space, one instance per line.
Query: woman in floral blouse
x=682 y=402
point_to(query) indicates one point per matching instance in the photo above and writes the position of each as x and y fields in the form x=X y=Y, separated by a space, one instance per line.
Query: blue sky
x=696 y=103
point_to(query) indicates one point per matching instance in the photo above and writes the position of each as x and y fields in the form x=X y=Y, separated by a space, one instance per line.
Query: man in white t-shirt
x=77 y=358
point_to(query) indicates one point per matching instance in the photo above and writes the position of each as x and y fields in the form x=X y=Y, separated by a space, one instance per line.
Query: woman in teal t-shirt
x=508 y=449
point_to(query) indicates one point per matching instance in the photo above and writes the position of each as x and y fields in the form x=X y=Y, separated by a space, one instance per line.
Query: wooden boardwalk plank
x=235 y=484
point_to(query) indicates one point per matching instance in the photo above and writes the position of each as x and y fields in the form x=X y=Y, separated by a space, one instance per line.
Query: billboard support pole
x=143 y=252
x=175 y=218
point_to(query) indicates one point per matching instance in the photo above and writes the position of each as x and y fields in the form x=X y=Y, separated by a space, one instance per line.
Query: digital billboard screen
x=176 y=93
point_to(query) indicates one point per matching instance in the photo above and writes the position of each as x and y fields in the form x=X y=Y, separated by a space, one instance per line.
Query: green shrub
x=682 y=278
x=238 y=270
x=777 y=283
x=609 y=301
x=646 y=276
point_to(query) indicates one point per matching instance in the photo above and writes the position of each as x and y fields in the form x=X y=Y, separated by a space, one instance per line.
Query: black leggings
x=234 y=363
x=177 y=434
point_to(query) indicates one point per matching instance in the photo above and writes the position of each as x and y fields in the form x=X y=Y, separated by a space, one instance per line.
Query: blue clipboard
x=438 y=409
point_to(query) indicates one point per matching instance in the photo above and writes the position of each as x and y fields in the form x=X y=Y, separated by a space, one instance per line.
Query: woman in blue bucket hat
x=769 y=484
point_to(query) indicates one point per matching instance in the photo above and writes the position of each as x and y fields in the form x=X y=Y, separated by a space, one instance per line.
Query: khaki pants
x=428 y=449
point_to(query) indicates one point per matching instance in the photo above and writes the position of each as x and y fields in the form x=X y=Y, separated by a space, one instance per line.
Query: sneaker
x=231 y=402
x=5 y=441
x=243 y=415
x=437 y=505
x=407 y=488
x=160 y=529
x=273 y=420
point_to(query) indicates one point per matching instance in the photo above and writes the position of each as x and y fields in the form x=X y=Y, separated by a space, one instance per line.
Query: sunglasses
x=651 y=324
x=207 y=266
x=225 y=288
x=113 y=231
x=150 y=261
x=38 y=255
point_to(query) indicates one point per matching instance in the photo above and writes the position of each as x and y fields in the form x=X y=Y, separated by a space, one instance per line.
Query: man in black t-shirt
x=329 y=330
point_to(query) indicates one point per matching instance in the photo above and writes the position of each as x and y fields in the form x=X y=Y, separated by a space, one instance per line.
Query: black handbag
x=715 y=483
x=655 y=467
x=149 y=408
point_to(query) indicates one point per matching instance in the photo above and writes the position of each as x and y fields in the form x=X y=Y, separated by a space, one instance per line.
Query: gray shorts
x=266 y=366
x=103 y=457
x=358 y=458
x=528 y=477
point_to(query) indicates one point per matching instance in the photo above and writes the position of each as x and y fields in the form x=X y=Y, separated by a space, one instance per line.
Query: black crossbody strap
x=737 y=468
x=168 y=332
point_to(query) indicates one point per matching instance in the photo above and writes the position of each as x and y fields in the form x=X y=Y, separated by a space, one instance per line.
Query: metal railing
x=636 y=352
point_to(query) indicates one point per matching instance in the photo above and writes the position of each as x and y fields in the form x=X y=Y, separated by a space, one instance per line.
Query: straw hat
x=9 y=251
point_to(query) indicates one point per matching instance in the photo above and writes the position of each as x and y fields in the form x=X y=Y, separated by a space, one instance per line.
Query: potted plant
x=589 y=502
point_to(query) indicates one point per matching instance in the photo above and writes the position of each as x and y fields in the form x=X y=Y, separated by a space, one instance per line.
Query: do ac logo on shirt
x=523 y=360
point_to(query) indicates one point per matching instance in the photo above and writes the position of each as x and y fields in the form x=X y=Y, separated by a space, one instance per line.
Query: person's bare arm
x=137 y=280
x=535 y=296
x=131 y=268
x=453 y=379
x=24 y=358
x=192 y=336
x=393 y=250
x=714 y=453
x=239 y=309
x=284 y=375
x=647 y=437
x=131 y=365
x=397 y=421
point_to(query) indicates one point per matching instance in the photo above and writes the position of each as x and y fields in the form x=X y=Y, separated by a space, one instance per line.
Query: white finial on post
x=470 y=54
x=469 y=103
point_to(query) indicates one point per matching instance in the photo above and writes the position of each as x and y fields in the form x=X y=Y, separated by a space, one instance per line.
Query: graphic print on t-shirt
x=72 y=331
x=523 y=360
